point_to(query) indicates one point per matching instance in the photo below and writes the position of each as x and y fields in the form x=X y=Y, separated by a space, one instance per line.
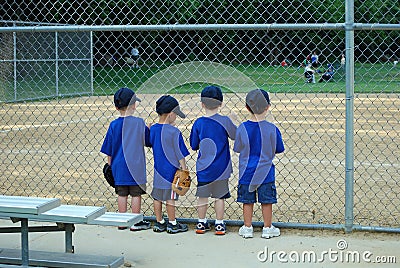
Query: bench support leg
x=24 y=242
x=69 y=228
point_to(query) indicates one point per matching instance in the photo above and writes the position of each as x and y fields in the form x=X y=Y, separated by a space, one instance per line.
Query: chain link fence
x=45 y=65
x=62 y=61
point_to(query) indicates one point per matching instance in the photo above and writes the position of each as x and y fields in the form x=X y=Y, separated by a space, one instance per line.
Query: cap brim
x=137 y=99
x=178 y=111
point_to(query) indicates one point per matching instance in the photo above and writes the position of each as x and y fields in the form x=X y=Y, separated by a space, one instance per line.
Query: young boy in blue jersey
x=124 y=145
x=209 y=135
x=257 y=142
x=169 y=151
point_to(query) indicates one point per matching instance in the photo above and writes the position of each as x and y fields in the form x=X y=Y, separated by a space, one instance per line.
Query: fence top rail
x=193 y=27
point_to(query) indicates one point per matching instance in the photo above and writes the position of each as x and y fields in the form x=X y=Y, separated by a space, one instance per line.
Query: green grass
x=369 y=78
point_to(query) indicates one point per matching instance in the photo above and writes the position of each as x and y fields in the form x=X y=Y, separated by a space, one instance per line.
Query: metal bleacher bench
x=23 y=209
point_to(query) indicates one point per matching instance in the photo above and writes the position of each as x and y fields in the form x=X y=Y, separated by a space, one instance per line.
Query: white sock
x=173 y=222
x=219 y=221
x=162 y=221
x=203 y=220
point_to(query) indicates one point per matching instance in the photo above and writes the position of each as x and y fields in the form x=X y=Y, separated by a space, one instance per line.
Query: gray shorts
x=132 y=190
x=164 y=194
x=215 y=189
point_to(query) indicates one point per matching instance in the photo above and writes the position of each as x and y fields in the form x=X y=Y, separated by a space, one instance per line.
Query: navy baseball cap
x=167 y=104
x=211 y=96
x=124 y=97
x=257 y=100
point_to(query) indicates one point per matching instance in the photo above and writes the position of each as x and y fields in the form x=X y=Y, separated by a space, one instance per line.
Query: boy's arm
x=147 y=142
x=231 y=129
x=182 y=152
x=279 y=142
x=238 y=145
x=194 y=138
x=109 y=159
x=182 y=163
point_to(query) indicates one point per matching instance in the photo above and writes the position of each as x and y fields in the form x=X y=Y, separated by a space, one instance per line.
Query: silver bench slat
x=117 y=219
x=29 y=205
x=72 y=214
x=63 y=214
x=55 y=259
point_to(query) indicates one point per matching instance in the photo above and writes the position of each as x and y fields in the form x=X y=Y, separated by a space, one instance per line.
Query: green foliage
x=220 y=45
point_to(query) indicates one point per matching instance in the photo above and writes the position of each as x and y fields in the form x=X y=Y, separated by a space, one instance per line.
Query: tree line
x=242 y=46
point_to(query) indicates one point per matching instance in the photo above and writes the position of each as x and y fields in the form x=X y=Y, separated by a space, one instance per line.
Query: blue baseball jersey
x=168 y=148
x=125 y=140
x=210 y=136
x=257 y=144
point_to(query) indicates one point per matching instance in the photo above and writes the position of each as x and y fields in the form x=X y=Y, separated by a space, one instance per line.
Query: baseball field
x=51 y=149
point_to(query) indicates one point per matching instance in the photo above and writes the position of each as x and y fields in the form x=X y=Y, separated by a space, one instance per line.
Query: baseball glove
x=181 y=182
x=108 y=175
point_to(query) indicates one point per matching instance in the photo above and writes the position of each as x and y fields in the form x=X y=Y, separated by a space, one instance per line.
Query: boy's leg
x=173 y=226
x=248 y=214
x=266 y=210
x=202 y=192
x=202 y=204
x=246 y=230
x=202 y=224
x=268 y=230
x=161 y=224
x=122 y=199
x=158 y=210
x=122 y=203
x=122 y=207
x=248 y=199
x=220 y=227
x=136 y=204
x=219 y=208
x=267 y=197
x=171 y=210
x=136 y=191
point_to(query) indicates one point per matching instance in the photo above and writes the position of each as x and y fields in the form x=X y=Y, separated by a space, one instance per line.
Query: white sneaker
x=246 y=232
x=269 y=232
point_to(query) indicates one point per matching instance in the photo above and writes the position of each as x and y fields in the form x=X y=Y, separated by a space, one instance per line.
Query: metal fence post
x=91 y=64
x=15 y=62
x=349 y=176
x=57 y=58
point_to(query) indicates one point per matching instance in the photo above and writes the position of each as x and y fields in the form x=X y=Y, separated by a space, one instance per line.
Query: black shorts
x=215 y=189
x=132 y=190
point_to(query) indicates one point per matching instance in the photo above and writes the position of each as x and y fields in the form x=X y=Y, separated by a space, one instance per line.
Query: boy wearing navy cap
x=124 y=145
x=169 y=151
x=209 y=135
x=257 y=141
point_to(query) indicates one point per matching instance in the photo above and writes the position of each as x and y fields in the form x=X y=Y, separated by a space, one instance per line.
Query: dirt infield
x=52 y=149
